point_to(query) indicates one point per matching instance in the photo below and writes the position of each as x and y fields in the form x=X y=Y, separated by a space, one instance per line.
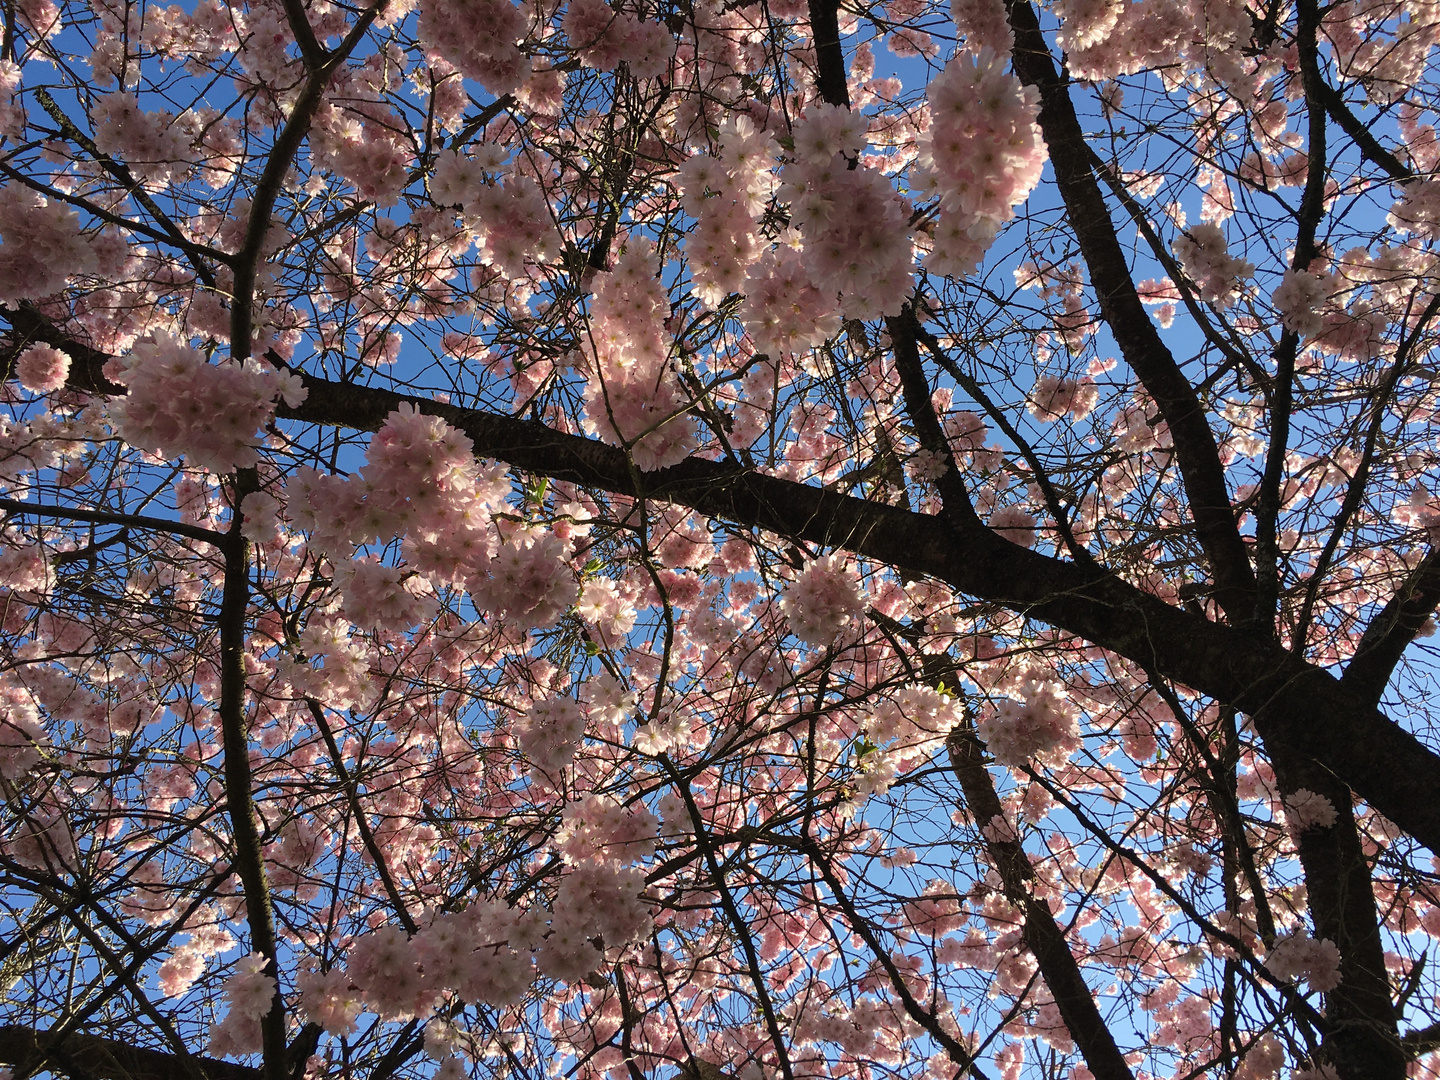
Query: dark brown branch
x=829 y=55
x=1282 y=397
x=1073 y=996
x=244 y=826
x=90 y=1057
x=1369 y=146
x=1196 y=451
x=1290 y=701
x=101 y=517
x=1390 y=632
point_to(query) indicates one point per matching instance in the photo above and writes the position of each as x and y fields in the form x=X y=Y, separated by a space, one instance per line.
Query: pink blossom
x=42 y=369
x=1299 y=956
x=179 y=404
x=1218 y=275
x=328 y=999
x=1043 y=725
x=44 y=247
x=823 y=600
x=1304 y=809
x=982 y=155
x=1298 y=300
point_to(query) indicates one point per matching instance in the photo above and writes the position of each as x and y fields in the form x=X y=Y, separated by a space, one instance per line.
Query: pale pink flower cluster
x=1418 y=210
x=480 y=37
x=607 y=609
x=1203 y=253
x=608 y=702
x=485 y=954
x=456 y=178
x=187 y=963
x=527 y=579
x=823 y=600
x=329 y=999
x=633 y=396
x=602 y=37
x=1298 y=300
x=596 y=827
x=594 y=901
x=511 y=219
x=154 y=145
x=827 y=130
x=22 y=738
x=1042 y=726
x=914 y=708
x=550 y=734
x=855 y=230
x=380 y=597
x=1086 y=23
x=1055 y=396
x=725 y=194
x=44 y=247
x=373 y=156
x=42 y=369
x=343 y=682
x=1306 y=809
x=1147 y=34
x=180 y=404
x=12 y=112
x=43 y=841
x=26 y=569
x=982 y=156
x=1299 y=956
x=983 y=24
x=422 y=479
x=1015 y=524
x=249 y=994
x=783 y=311
x=514 y=224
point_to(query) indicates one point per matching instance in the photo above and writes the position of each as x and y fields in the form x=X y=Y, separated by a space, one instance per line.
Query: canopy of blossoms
x=719 y=539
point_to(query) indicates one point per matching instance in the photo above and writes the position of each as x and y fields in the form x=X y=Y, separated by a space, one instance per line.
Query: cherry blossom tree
x=708 y=539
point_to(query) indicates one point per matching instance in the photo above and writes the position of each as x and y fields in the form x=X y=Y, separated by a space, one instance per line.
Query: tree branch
x=90 y=1057
x=1140 y=343
x=1289 y=700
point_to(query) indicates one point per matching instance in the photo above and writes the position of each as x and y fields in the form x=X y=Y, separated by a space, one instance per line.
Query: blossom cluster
x=725 y=194
x=487 y=954
x=22 y=738
x=1299 y=956
x=1305 y=809
x=249 y=994
x=480 y=37
x=179 y=404
x=595 y=827
x=602 y=37
x=824 y=598
x=421 y=479
x=1042 y=726
x=1203 y=253
x=1299 y=298
x=982 y=156
x=633 y=394
x=42 y=369
x=44 y=247
x=854 y=227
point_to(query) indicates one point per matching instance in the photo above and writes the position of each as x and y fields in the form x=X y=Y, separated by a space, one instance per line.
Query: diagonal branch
x=1292 y=702
x=1140 y=343
x=90 y=1057
x=1390 y=632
